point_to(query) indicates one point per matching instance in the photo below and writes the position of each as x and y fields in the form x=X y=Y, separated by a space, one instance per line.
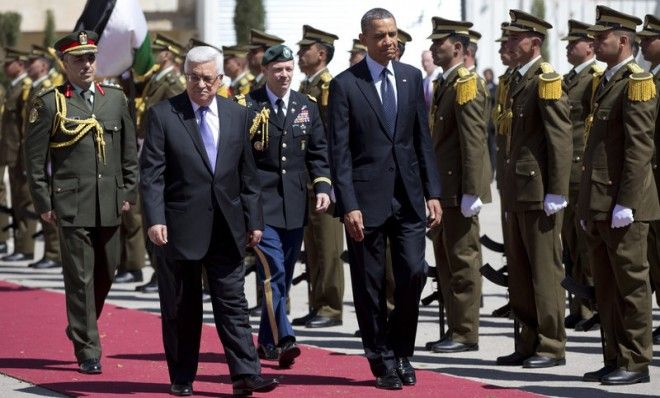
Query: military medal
x=303 y=145
x=258 y=145
x=34 y=115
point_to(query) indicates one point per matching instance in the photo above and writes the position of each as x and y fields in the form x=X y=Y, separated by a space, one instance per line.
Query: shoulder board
x=597 y=69
x=27 y=82
x=641 y=86
x=549 y=83
x=46 y=84
x=546 y=68
x=240 y=99
x=466 y=86
x=313 y=99
x=250 y=77
x=46 y=91
x=112 y=85
x=326 y=77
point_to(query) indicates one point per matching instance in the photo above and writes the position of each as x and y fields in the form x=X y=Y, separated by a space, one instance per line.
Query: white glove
x=470 y=205
x=583 y=225
x=553 y=203
x=621 y=216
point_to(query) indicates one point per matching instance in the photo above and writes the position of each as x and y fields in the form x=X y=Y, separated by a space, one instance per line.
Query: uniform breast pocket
x=111 y=127
x=65 y=198
x=300 y=129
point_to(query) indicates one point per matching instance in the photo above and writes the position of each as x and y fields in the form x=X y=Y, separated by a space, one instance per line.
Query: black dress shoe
x=3 y=247
x=572 y=320
x=320 y=321
x=268 y=352
x=302 y=321
x=450 y=346
x=515 y=359
x=17 y=256
x=540 y=361
x=128 y=276
x=149 y=287
x=598 y=375
x=405 y=371
x=90 y=367
x=253 y=383
x=389 y=381
x=621 y=376
x=289 y=351
x=181 y=390
x=45 y=263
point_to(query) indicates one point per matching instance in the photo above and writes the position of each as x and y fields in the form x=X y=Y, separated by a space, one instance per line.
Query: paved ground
x=496 y=335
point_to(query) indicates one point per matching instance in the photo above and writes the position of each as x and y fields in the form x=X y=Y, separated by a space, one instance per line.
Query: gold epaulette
x=223 y=91
x=112 y=85
x=141 y=78
x=46 y=91
x=240 y=99
x=243 y=85
x=466 y=86
x=595 y=68
x=26 y=87
x=311 y=98
x=641 y=86
x=182 y=80
x=326 y=77
x=549 y=83
x=46 y=84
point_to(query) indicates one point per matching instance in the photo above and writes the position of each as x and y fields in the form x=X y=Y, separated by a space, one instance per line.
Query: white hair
x=203 y=54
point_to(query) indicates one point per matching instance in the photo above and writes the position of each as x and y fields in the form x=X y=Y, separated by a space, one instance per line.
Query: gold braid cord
x=589 y=121
x=83 y=126
x=260 y=123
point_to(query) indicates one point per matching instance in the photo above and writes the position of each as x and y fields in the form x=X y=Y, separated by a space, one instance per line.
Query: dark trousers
x=89 y=260
x=386 y=337
x=180 y=290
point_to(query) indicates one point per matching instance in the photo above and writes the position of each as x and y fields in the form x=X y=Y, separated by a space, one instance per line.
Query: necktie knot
x=203 y=110
x=87 y=96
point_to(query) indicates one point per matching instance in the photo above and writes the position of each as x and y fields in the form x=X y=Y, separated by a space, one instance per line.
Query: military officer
x=13 y=119
x=85 y=130
x=650 y=36
x=618 y=198
x=358 y=52
x=458 y=121
x=289 y=143
x=536 y=174
x=224 y=90
x=577 y=83
x=4 y=215
x=236 y=68
x=402 y=38
x=259 y=43
x=324 y=234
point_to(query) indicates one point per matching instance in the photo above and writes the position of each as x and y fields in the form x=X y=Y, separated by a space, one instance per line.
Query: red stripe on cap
x=76 y=44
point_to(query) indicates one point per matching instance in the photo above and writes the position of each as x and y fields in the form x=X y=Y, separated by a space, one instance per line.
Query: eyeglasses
x=208 y=80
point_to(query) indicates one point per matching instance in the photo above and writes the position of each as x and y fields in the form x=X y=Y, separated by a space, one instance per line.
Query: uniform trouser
x=573 y=241
x=654 y=258
x=535 y=273
x=623 y=292
x=20 y=202
x=458 y=259
x=132 y=239
x=4 y=217
x=280 y=248
x=89 y=259
x=324 y=242
x=51 y=242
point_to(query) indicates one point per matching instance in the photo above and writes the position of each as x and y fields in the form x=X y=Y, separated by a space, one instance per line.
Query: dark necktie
x=389 y=102
x=280 y=110
x=570 y=76
x=601 y=86
x=207 y=137
x=87 y=96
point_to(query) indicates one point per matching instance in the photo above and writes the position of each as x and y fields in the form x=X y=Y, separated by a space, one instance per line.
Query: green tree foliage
x=49 y=29
x=10 y=28
x=248 y=14
x=538 y=10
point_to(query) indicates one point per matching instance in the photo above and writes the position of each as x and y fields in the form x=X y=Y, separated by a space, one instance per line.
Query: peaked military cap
x=164 y=43
x=651 y=26
x=403 y=37
x=505 y=33
x=312 y=35
x=78 y=43
x=259 y=39
x=39 y=52
x=12 y=54
x=234 y=51
x=444 y=27
x=198 y=43
x=525 y=22
x=358 y=47
x=277 y=53
x=610 y=19
x=578 y=31
x=474 y=36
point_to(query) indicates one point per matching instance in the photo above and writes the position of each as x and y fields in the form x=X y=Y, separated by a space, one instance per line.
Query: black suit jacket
x=295 y=148
x=178 y=186
x=365 y=157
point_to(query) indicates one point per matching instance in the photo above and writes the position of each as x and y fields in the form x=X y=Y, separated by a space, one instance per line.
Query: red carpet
x=33 y=348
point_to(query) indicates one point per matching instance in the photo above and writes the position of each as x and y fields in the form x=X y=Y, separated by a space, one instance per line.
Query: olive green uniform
x=654 y=230
x=4 y=217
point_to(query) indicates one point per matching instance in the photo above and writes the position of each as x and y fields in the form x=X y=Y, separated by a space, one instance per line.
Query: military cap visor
x=234 y=51
x=312 y=35
x=651 y=27
x=358 y=47
x=164 y=43
x=78 y=43
x=39 y=52
x=578 y=31
x=259 y=39
x=403 y=37
x=505 y=34
x=12 y=54
x=474 y=36
x=610 y=19
x=198 y=43
x=444 y=28
x=524 y=22
x=278 y=53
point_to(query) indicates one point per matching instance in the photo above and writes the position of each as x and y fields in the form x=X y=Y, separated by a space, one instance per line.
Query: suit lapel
x=184 y=109
x=366 y=84
x=402 y=93
x=225 y=127
x=79 y=103
x=610 y=83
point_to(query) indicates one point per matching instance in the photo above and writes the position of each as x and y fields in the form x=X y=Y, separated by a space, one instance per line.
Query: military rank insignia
x=303 y=116
x=259 y=146
x=34 y=115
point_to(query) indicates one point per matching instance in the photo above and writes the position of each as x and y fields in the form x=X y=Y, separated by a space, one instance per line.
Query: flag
x=124 y=40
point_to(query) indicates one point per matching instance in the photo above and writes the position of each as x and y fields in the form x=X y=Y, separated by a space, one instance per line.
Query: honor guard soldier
x=84 y=129
x=577 y=84
x=358 y=52
x=402 y=38
x=259 y=43
x=536 y=173
x=11 y=154
x=458 y=123
x=224 y=90
x=618 y=198
x=650 y=36
x=55 y=74
x=324 y=234
x=289 y=144
x=236 y=68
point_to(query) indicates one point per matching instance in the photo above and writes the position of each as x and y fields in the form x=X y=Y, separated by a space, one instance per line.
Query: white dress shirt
x=273 y=99
x=211 y=118
x=376 y=69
